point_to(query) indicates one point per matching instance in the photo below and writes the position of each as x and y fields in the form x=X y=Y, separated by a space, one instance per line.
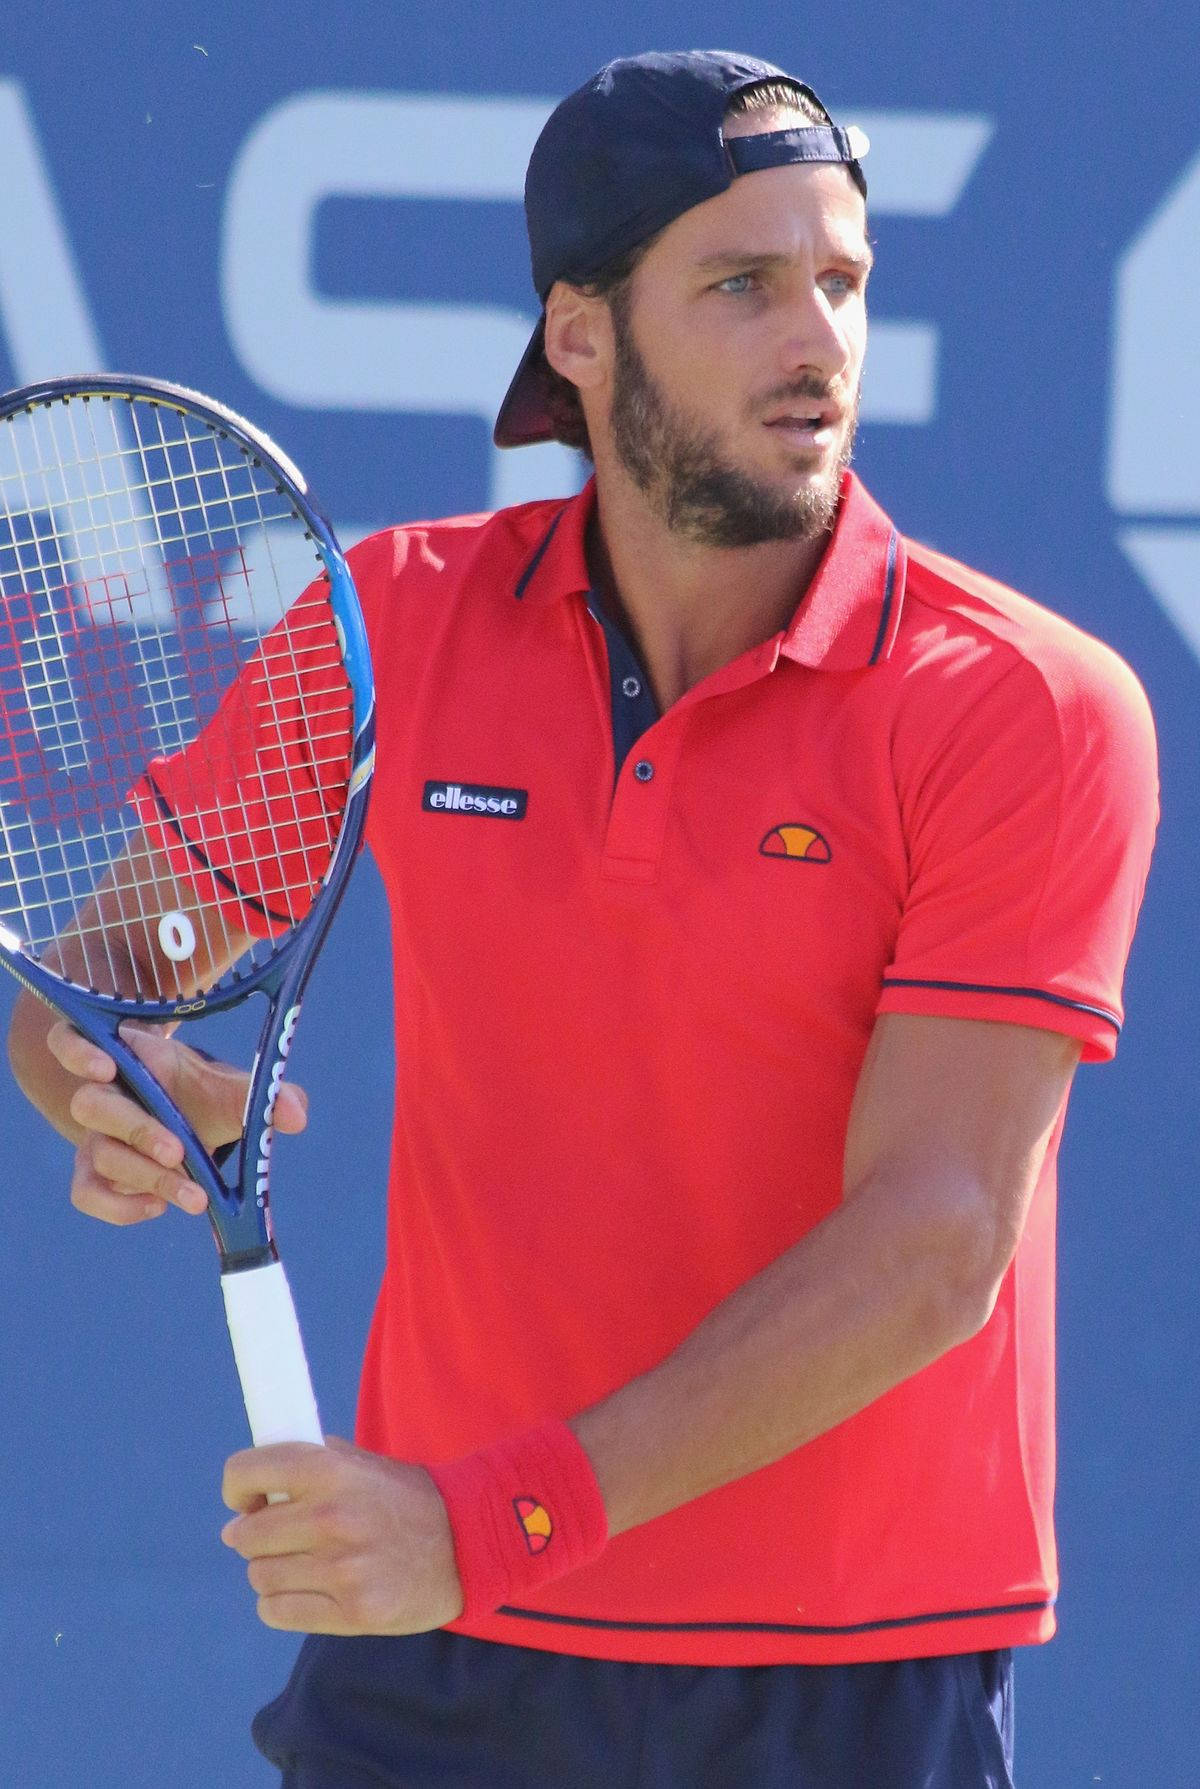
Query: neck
x=689 y=608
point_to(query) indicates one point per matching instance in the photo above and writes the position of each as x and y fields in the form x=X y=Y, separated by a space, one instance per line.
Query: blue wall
x=311 y=212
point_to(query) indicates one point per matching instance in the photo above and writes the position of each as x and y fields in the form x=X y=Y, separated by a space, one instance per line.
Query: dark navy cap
x=623 y=156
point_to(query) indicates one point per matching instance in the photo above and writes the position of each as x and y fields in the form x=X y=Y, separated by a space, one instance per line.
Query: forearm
x=43 y=1081
x=869 y=1297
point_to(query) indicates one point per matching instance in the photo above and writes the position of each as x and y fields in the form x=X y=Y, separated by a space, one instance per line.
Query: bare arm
x=948 y=1131
x=949 y=1127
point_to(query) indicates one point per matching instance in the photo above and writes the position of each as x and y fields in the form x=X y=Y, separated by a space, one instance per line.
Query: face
x=737 y=356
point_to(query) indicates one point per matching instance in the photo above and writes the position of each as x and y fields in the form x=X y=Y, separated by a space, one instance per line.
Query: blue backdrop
x=311 y=212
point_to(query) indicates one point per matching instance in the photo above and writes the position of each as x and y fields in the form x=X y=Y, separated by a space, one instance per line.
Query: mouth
x=806 y=425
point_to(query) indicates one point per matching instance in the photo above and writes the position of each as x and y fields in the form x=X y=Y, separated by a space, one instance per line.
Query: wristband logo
x=535 y=1523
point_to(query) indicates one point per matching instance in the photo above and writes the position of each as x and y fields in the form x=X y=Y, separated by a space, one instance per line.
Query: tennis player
x=758 y=878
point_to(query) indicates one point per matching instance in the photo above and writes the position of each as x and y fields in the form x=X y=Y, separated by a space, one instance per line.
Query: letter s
x=347 y=354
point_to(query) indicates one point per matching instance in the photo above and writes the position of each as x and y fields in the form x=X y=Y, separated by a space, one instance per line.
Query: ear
x=578 y=336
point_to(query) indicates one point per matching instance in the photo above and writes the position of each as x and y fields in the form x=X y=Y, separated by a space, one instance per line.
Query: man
x=758 y=879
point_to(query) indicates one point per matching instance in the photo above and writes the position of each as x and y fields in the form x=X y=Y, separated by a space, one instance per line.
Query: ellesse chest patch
x=475 y=798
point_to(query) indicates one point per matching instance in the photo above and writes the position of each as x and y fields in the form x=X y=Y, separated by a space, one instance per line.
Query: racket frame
x=239 y=1206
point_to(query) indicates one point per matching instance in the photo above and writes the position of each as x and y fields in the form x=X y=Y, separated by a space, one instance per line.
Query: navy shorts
x=441 y=1709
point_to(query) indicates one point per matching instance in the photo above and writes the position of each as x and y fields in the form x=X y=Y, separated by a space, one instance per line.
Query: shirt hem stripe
x=774 y=1627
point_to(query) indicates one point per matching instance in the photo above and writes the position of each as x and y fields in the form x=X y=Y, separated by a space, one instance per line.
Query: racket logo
x=268 y=1112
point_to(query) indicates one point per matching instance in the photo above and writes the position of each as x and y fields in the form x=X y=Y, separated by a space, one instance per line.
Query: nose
x=814 y=336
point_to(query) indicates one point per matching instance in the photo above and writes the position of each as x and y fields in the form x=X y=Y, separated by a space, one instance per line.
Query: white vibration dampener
x=177 y=937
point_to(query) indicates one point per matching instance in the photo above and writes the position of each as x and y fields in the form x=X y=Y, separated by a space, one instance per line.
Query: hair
x=778 y=94
x=613 y=280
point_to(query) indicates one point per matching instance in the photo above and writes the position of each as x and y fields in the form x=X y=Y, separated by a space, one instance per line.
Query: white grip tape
x=270 y=1356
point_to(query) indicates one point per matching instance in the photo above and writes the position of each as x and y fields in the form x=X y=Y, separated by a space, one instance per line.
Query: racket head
x=186 y=724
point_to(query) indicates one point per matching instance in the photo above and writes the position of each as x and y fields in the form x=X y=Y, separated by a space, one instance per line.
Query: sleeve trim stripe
x=195 y=851
x=971 y=987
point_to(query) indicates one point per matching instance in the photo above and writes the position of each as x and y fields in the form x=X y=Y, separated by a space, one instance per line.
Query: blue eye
x=840 y=284
x=736 y=284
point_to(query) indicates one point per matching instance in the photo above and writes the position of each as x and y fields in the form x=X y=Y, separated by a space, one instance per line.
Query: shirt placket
x=647 y=748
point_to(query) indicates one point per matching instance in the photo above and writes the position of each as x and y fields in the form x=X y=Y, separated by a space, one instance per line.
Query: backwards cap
x=623 y=156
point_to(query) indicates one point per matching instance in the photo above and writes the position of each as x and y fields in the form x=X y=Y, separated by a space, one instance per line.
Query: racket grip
x=270 y=1357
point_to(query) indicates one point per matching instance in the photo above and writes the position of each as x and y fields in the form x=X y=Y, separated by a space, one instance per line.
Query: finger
x=212 y=1093
x=291 y=1467
x=303 y=1612
x=132 y=1174
x=96 y=1198
x=114 y=1113
x=78 y=1054
x=285 y=1531
x=272 y=1530
x=285 y=1574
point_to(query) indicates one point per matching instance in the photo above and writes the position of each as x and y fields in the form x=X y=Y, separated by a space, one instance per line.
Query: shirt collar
x=848 y=617
x=557 y=565
x=850 y=613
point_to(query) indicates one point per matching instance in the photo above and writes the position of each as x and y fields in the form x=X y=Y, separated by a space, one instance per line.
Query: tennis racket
x=186 y=744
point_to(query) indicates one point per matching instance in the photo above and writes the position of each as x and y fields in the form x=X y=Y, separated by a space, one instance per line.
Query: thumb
x=291 y=1108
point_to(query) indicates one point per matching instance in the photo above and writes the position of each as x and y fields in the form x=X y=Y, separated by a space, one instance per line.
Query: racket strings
x=169 y=728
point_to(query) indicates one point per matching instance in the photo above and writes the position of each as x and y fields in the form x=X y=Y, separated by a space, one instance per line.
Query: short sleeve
x=1029 y=800
x=249 y=811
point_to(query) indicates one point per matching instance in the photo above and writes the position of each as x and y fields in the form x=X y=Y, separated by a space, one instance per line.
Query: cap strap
x=803 y=143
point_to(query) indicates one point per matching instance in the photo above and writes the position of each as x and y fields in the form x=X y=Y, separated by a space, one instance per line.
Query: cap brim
x=524 y=416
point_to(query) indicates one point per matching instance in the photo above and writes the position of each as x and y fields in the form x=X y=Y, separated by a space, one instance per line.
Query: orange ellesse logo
x=803 y=844
x=535 y=1523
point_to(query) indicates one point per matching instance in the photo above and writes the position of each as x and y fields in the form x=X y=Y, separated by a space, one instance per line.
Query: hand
x=362 y=1545
x=129 y=1167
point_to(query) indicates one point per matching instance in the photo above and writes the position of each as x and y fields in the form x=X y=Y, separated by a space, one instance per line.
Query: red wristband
x=522 y=1513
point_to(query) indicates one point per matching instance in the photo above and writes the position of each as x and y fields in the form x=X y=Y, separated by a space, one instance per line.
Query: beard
x=680 y=468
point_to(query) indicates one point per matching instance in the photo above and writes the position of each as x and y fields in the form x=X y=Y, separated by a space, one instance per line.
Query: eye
x=840 y=284
x=737 y=284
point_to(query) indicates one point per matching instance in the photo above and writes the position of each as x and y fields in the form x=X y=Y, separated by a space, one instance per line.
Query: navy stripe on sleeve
x=201 y=857
x=980 y=987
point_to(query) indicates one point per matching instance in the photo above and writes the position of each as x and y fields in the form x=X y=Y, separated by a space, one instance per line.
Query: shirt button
x=643 y=770
x=631 y=688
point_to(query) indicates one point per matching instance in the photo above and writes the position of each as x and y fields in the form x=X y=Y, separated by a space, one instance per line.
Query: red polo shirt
x=631 y=1005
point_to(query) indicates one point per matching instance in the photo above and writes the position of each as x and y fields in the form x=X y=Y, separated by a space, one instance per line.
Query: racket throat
x=247 y=1260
